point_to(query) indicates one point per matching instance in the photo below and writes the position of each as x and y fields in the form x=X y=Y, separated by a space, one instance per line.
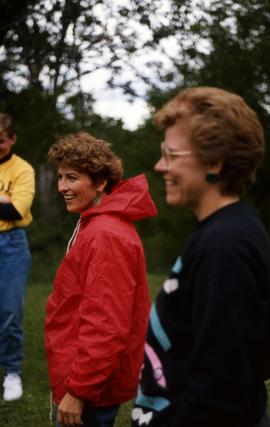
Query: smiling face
x=183 y=174
x=78 y=189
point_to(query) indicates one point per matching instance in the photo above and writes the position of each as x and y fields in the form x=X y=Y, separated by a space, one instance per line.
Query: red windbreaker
x=97 y=314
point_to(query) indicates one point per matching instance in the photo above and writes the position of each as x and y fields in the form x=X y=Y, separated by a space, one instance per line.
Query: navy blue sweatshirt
x=208 y=340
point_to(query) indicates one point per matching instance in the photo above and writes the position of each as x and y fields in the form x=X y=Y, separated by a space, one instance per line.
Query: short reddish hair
x=223 y=128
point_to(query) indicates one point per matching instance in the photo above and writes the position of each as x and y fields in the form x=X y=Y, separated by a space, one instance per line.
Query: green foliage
x=224 y=44
x=34 y=407
x=239 y=60
x=38 y=123
x=227 y=45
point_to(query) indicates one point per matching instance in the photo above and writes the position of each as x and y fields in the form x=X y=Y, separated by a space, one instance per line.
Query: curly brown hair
x=223 y=128
x=90 y=155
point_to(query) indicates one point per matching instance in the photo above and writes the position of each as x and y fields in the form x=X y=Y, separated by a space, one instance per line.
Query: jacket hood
x=130 y=198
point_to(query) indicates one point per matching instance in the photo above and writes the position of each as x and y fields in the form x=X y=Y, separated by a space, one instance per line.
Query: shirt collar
x=6 y=158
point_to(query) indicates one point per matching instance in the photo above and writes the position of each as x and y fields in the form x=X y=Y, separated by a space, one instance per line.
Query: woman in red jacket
x=97 y=313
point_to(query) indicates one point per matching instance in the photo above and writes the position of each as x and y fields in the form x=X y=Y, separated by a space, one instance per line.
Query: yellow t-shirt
x=17 y=180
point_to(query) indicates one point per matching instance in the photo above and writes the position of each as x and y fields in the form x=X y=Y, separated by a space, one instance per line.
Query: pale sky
x=114 y=103
x=132 y=113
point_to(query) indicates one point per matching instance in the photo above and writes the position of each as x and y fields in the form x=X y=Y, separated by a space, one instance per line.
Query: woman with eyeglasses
x=207 y=353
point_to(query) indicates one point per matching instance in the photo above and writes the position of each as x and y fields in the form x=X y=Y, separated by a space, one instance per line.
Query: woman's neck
x=213 y=203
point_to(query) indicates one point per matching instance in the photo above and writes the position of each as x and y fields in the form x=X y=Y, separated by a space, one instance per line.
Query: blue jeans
x=98 y=417
x=14 y=266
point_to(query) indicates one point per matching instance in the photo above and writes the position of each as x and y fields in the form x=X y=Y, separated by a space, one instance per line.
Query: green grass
x=34 y=407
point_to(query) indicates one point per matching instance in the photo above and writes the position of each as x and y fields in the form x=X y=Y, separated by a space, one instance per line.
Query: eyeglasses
x=169 y=155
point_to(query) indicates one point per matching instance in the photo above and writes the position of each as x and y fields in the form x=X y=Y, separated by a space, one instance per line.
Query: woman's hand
x=69 y=411
x=5 y=199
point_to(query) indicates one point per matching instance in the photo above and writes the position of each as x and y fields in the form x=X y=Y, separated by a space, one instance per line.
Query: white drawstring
x=74 y=236
x=51 y=409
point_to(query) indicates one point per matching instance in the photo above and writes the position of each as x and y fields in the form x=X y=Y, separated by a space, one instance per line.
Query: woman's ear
x=215 y=168
x=213 y=173
x=13 y=139
x=102 y=185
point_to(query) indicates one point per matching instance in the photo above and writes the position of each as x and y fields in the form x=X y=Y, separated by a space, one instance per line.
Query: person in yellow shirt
x=17 y=187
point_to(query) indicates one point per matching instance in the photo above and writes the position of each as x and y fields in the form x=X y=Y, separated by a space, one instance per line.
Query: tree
x=143 y=45
x=10 y=12
x=225 y=44
x=239 y=60
x=61 y=41
x=46 y=55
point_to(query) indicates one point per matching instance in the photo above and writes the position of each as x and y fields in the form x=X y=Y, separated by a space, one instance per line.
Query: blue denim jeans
x=14 y=266
x=98 y=417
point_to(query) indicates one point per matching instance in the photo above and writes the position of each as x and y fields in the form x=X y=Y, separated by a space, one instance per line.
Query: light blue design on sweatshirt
x=177 y=266
x=155 y=403
x=158 y=330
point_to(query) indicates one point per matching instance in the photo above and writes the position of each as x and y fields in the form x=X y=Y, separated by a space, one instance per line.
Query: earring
x=97 y=198
x=212 y=178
